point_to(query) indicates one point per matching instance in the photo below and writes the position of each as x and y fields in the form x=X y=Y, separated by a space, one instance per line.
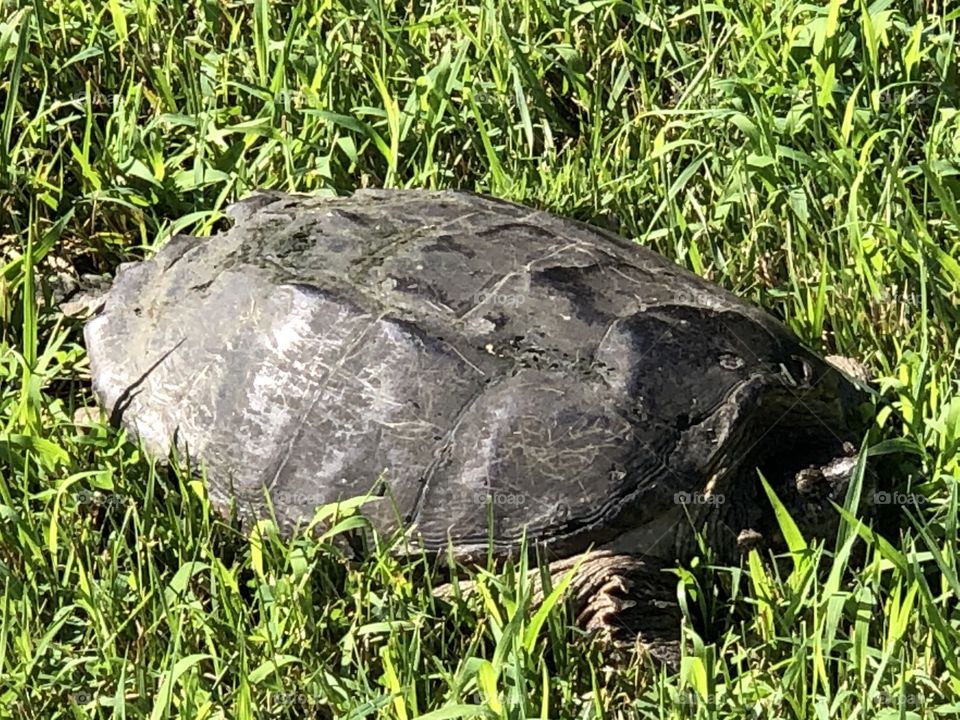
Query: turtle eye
x=794 y=379
x=787 y=376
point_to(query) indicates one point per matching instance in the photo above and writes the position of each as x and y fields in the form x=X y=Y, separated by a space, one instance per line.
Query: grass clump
x=804 y=156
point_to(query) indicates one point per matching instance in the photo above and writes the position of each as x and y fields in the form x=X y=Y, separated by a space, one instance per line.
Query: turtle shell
x=481 y=369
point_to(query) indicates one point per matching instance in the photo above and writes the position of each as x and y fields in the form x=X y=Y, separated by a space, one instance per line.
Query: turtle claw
x=749 y=539
x=625 y=601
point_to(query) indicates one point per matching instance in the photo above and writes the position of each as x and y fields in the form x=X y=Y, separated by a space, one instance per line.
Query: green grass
x=805 y=156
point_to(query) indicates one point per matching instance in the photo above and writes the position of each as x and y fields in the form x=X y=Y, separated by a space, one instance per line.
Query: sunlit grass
x=804 y=156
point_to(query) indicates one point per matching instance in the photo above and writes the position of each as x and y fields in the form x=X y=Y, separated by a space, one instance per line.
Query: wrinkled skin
x=468 y=361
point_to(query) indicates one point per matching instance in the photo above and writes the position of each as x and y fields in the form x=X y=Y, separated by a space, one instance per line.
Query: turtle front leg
x=625 y=599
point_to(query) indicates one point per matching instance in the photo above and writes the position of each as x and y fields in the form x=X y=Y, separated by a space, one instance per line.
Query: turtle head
x=829 y=480
x=809 y=499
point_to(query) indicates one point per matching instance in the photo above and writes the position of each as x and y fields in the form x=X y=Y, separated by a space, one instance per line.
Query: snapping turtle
x=471 y=361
